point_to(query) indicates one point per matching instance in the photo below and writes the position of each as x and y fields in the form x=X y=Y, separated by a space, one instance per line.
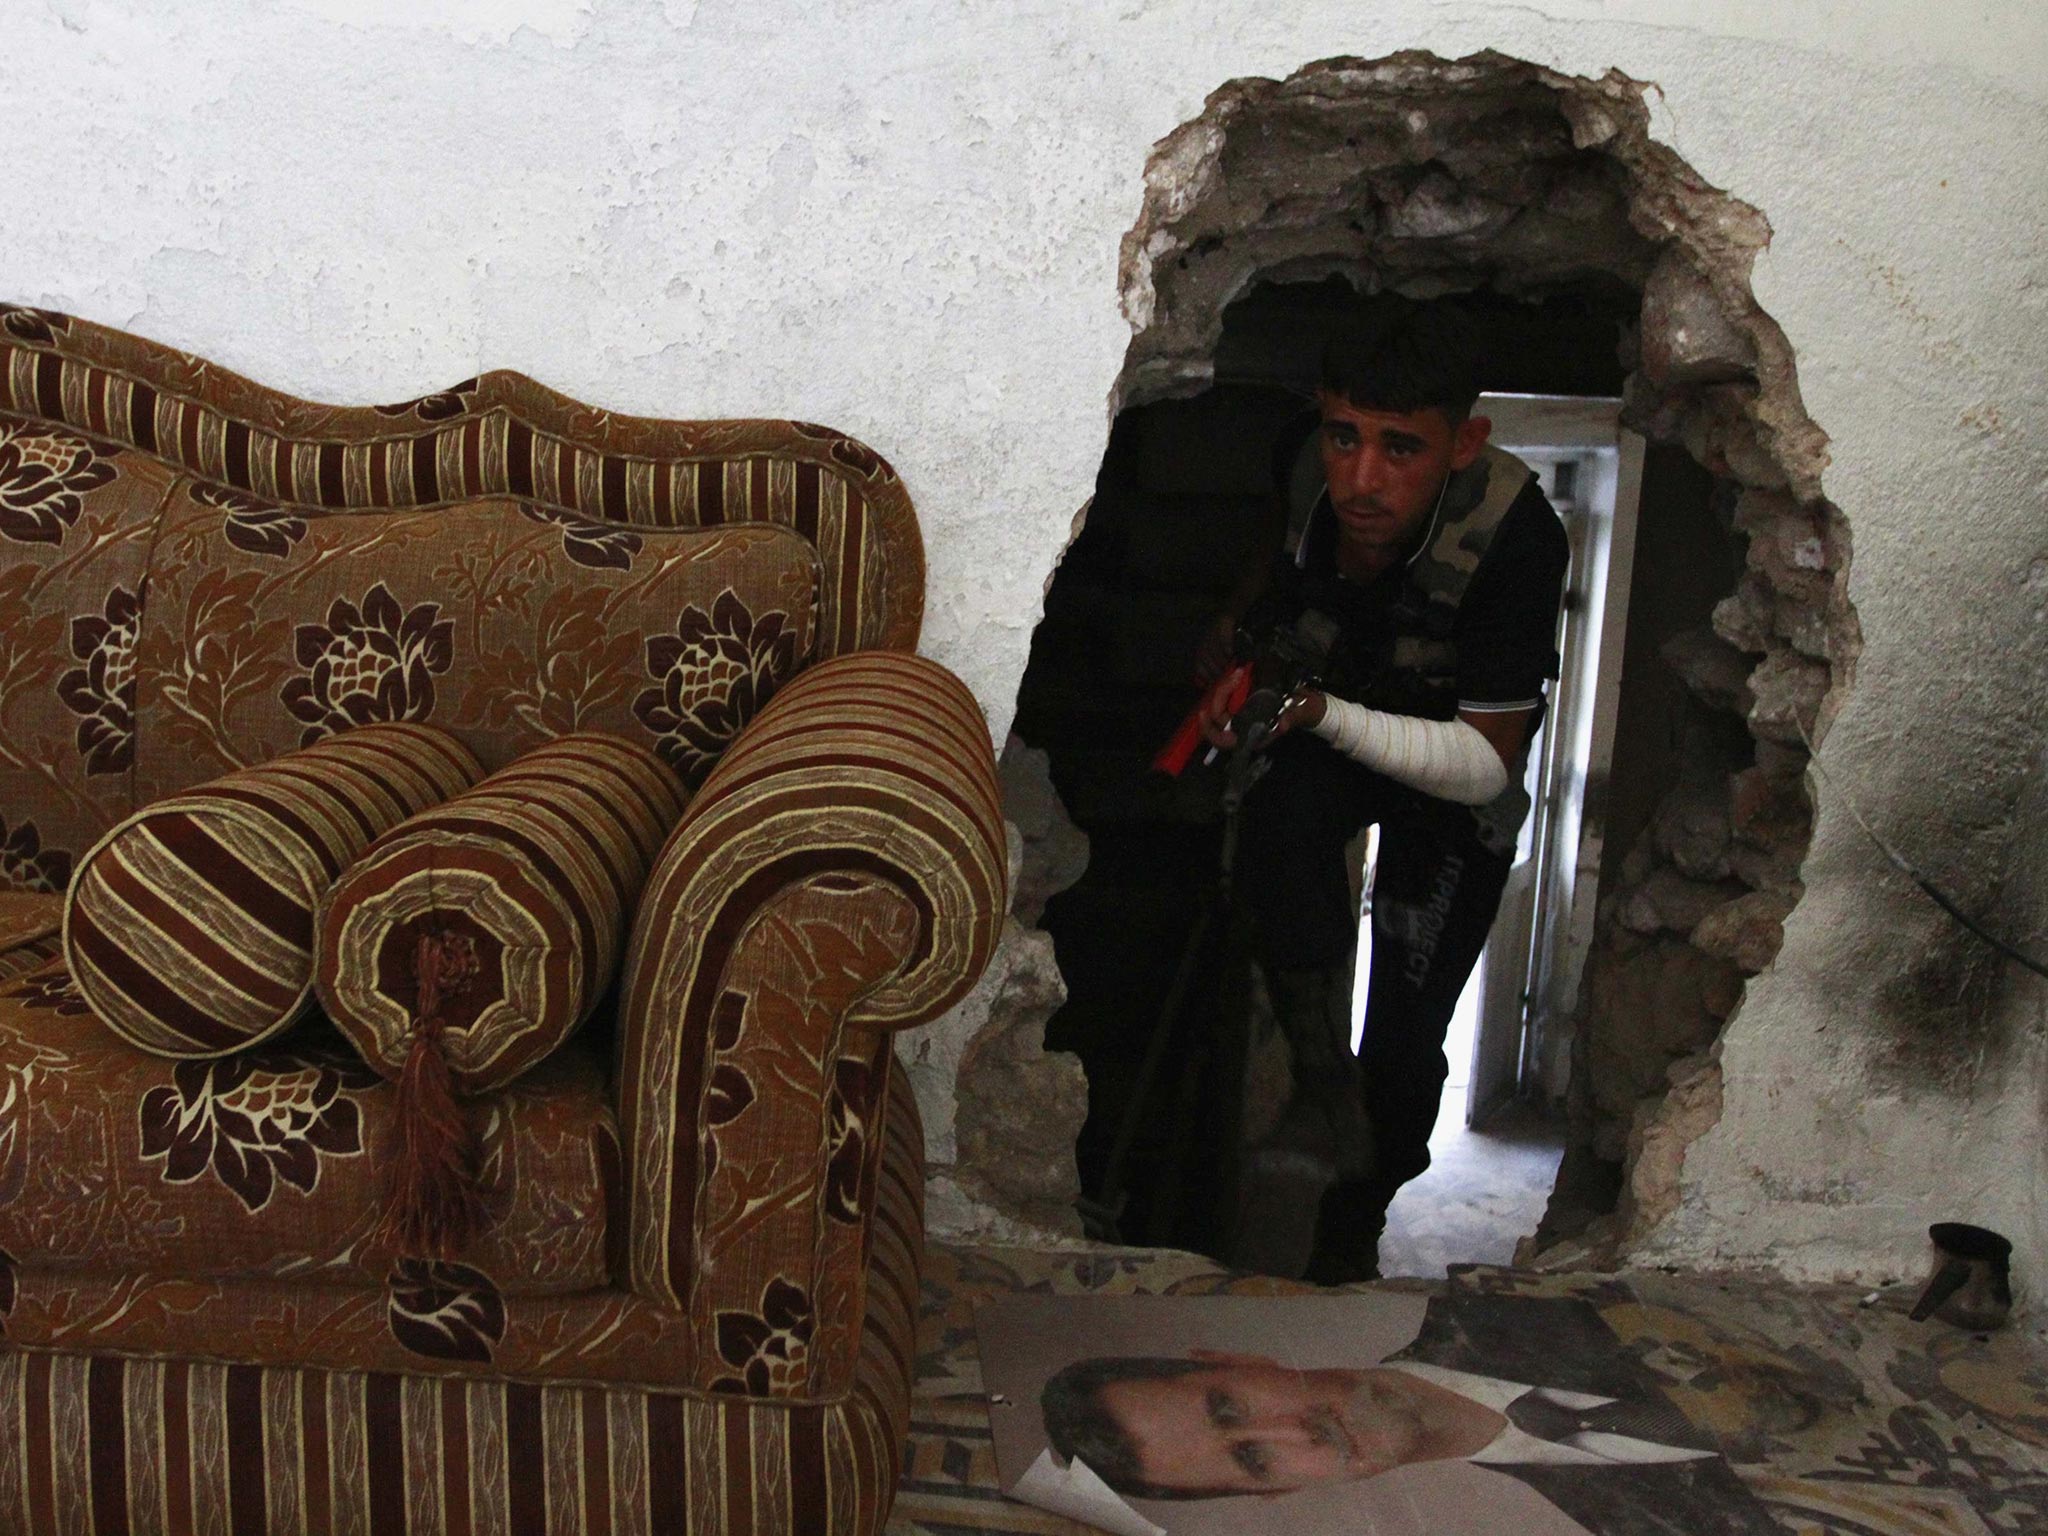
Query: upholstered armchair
x=692 y=1305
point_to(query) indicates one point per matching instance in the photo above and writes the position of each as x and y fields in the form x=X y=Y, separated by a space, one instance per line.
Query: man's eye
x=1252 y=1459
x=1225 y=1411
x=1341 y=438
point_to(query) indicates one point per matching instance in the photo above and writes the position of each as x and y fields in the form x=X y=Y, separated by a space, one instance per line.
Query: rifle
x=1269 y=671
x=1257 y=686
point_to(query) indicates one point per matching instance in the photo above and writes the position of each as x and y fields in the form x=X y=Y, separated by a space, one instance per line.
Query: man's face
x=1385 y=469
x=1244 y=1424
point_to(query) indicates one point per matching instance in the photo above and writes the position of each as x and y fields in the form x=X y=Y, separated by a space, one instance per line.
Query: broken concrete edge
x=1724 y=385
x=1002 y=1114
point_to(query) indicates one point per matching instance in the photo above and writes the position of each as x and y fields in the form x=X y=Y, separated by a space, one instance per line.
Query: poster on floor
x=1365 y=1414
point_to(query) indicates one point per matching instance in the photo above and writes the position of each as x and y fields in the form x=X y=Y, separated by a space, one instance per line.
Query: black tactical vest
x=1397 y=647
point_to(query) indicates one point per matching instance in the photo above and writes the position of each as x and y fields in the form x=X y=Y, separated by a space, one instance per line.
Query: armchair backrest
x=113 y=447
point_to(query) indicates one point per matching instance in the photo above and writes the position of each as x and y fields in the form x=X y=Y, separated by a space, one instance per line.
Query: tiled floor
x=1485 y=1190
x=1843 y=1419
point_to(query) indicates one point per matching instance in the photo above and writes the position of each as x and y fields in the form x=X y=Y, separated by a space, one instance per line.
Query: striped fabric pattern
x=868 y=771
x=536 y=868
x=499 y=434
x=95 y=1444
x=189 y=926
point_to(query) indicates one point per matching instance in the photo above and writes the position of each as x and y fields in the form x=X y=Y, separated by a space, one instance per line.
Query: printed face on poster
x=1361 y=1413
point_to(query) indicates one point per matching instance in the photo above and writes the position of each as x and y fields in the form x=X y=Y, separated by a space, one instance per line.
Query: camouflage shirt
x=1467 y=621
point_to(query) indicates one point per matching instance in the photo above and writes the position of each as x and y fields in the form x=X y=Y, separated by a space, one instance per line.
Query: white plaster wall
x=903 y=219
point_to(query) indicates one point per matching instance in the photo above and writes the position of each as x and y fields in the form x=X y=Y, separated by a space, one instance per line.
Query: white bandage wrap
x=1445 y=758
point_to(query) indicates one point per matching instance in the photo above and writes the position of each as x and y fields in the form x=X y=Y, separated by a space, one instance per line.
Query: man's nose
x=1363 y=474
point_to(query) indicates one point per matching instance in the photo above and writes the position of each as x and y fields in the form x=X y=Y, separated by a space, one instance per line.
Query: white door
x=1591 y=471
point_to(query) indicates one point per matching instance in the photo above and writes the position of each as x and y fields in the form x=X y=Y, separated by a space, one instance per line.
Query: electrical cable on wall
x=1934 y=892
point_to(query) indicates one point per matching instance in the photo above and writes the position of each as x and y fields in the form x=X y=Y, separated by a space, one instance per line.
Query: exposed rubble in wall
x=1002 y=1113
x=1424 y=177
x=1055 y=850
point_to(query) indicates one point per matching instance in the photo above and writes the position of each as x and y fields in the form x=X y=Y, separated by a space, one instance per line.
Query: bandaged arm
x=1448 y=759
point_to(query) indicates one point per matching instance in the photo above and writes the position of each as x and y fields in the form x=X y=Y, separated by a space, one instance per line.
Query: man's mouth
x=1357 y=512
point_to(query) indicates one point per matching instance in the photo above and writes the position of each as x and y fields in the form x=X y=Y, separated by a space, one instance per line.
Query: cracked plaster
x=361 y=209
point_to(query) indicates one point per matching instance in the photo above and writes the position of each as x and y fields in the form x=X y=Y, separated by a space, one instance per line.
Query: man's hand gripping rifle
x=1253 y=693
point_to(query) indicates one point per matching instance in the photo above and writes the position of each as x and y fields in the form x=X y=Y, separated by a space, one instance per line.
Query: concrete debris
x=1438 y=209
x=1650 y=1001
x=1055 y=852
x=1789 y=690
x=1747 y=618
x=1715 y=671
x=1021 y=1107
x=1688 y=338
x=1722 y=432
x=1001 y=1113
x=1663 y=1128
x=1767 y=809
x=1747 y=931
x=1691 y=827
x=1668 y=902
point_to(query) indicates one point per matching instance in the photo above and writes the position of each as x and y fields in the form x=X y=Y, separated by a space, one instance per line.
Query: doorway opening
x=1600 y=267
x=1500 y=1133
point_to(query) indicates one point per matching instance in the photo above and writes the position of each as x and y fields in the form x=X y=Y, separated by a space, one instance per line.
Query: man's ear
x=1468 y=439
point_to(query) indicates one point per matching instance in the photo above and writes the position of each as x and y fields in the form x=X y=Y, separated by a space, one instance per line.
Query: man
x=1438 y=565
x=1217 y=1425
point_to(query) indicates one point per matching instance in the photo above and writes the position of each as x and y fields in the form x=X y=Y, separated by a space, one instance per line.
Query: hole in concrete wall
x=1599 y=260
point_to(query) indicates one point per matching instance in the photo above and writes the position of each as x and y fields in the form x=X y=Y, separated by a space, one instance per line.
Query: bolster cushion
x=523 y=883
x=189 y=926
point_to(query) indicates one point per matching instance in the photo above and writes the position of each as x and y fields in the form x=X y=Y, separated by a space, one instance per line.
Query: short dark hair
x=1079 y=1426
x=1404 y=357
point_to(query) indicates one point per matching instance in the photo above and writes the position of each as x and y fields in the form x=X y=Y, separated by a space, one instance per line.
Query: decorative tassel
x=434 y=1198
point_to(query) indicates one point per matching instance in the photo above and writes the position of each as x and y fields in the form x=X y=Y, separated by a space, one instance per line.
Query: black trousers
x=1435 y=893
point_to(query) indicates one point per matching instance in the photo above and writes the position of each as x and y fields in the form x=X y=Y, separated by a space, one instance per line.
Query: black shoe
x=1333 y=1266
x=1349 y=1222
x=1313 y=1010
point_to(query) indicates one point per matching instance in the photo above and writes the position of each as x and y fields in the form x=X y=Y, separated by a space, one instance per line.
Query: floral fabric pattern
x=254 y=1118
x=44 y=477
x=768 y=1348
x=599 y=546
x=441 y=405
x=254 y=526
x=39 y=326
x=445 y=1311
x=270 y=1167
x=50 y=988
x=847 y=1118
x=102 y=692
x=75 y=537
x=373 y=662
x=856 y=456
x=26 y=865
x=711 y=676
x=509 y=623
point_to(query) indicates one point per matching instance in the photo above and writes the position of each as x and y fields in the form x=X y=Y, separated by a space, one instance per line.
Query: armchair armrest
x=840 y=875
